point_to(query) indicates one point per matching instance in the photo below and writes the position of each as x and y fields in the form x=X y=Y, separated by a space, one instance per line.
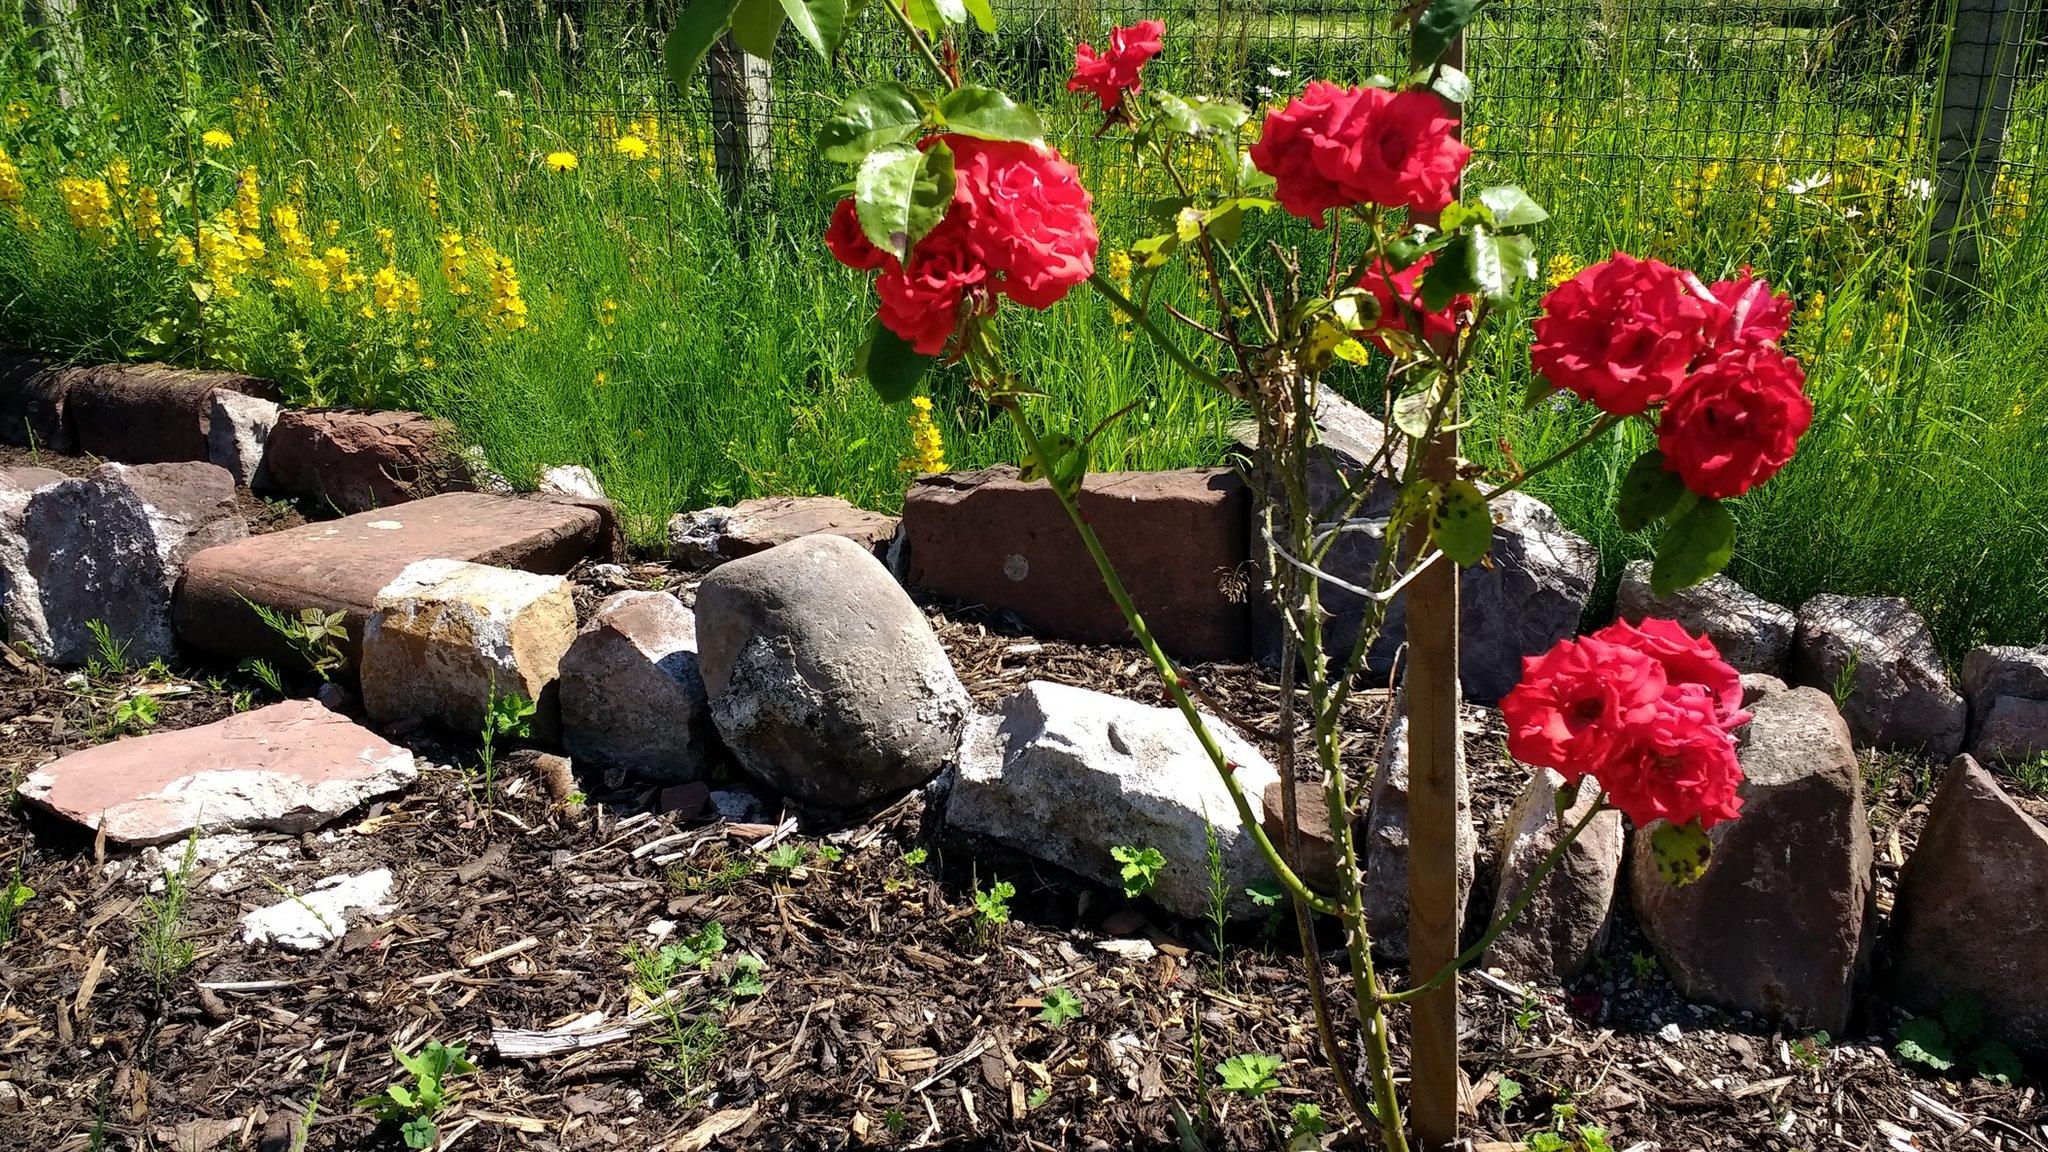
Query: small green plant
x=1252 y=1074
x=1141 y=868
x=2032 y=775
x=415 y=1107
x=720 y=875
x=1038 y=1098
x=831 y=853
x=1644 y=964
x=1845 y=681
x=916 y=857
x=111 y=655
x=1060 y=1006
x=1306 y=1128
x=504 y=716
x=788 y=856
x=1955 y=1041
x=316 y=636
x=655 y=969
x=1507 y=1091
x=692 y=1042
x=1528 y=1013
x=1588 y=1138
x=1811 y=1051
x=895 y=1121
x=266 y=674
x=1219 y=897
x=133 y=715
x=992 y=908
x=165 y=952
x=12 y=899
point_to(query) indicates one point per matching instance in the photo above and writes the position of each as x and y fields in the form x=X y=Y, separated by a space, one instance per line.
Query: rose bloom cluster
x=1647 y=710
x=1629 y=335
x=1335 y=147
x=1113 y=71
x=1020 y=225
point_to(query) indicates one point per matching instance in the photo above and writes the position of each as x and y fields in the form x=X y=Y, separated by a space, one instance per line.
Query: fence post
x=67 y=51
x=1977 y=85
x=742 y=97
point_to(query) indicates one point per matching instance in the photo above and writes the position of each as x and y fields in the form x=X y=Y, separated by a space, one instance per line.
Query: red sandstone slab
x=1178 y=539
x=149 y=413
x=289 y=767
x=340 y=565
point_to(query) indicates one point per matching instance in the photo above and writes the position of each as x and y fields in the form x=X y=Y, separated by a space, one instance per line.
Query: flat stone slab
x=151 y=413
x=709 y=537
x=289 y=767
x=341 y=565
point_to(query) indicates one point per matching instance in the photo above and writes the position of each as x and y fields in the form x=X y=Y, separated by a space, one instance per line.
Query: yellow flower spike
x=1561 y=268
x=17 y=113
x=90 y=206
x=12 y=189
x=181 y=249
x=217 y=140
x=561 y=161
x=927 y=447
x=147 y=216
x=631 y=147
x=249 y=200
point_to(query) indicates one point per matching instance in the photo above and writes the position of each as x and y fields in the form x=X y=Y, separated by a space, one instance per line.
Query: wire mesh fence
x=1720 y=130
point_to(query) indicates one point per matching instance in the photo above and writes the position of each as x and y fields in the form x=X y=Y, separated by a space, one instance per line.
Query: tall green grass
x=692 y=353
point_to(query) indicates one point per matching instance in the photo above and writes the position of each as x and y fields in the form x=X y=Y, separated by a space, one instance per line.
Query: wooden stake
x=1432 y=692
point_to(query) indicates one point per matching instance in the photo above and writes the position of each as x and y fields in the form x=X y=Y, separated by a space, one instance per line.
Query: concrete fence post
x=742 y=100
x=1985 y=43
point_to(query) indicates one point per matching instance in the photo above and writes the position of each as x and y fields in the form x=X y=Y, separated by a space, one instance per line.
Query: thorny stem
x=924 y=47
x=1550 y=861
x=1600 y=428
x=1144 y=321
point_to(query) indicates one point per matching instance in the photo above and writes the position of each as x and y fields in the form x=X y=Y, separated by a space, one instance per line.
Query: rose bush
x=1110 y=73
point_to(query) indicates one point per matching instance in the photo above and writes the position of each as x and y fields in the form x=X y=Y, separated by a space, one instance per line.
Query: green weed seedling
x=165 y=952
x=316 y=636
x=1252 y=1074
x=1306 y=1128
x=1140 y=868
x=992 y=908
x=417 y=1107
x=110 y=658
x=133 y=715
x=266 y=674
x=788 y=856
x=1059 y=1006
x=1955 y=1041
x=13 y=897
x=1587 y=1138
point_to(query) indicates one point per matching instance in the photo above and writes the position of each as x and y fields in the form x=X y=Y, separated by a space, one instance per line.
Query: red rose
x=1576 y=701
x=1331 y=147
x=1687 y=660
x=849 y=244
x=1621 y=333
x=1751 y=311
x=1397 y=149
x=1405 y=286
x=1029 y=217
x=1114 y=71
x=945 y=282
x=1287 y=143
x=1678 y=766
x=1736 y=421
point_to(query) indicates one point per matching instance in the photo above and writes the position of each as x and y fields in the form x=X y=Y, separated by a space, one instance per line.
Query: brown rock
x=447 y=637
x=1178 y=540
x=1972 y=913
x=355 y=461
x=1384 y=847
x=1318 y=862
x=288 y=767
x=1557 y=937
x=709 y=537
x=1880 y=650
x=32 y=396
x=150 y=413
x=1776 y=925
x=341 y=565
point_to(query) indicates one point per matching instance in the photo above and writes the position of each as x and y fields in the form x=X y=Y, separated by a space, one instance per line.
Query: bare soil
x=887 y=1016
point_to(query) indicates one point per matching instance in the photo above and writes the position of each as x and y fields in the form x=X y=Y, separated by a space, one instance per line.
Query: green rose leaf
x=822 y=23
x=901 y=194
x=1413 y=410
x=1438 y=25
x=1682 y=852
x=1199 y=115
x=1512 y=207
x=873 y=117
x=984 y=14
x=891 y=366
x=698 y=26
x=1451 y=274
x=1695 y=546
x=755 y=25
x=1452 y=84
x=1460 y=522
x=1923 y=1041
x=1649 y=492
x=1568 y=797
x=987 y=114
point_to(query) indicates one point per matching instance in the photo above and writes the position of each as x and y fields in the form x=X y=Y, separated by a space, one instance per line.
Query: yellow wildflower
x=1475 y=137
x=395 y=291
x=337 y=261
x=222 y=255
x=146 y=215
x=387 y=242
x=1120 y=266
x=181 y=247
x=1561 y=268
x=12 y=189
x=17 y=112
x=654 y=172
x=216 y=140
x=249 y=201
x=394 y=133
x=330 y=228
x=561 y=161
x=119 y=177
x=508 y=307
x=631 y=147
x=927 y=448
x=600 y=378
x=455 y=263
x=608 y=313
x=89 y=205
x=431 y=190
x=284 y=220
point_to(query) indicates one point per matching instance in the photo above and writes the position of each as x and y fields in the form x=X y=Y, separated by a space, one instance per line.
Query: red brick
x=149 y=413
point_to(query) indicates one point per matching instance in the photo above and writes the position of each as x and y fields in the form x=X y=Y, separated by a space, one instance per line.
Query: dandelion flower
x=217 y=140
x=631 y=147
x=562 y=161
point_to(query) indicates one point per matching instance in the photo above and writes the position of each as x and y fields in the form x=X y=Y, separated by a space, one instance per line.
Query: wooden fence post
x=1985 y=41
x=1431 y=689
x=742 y=98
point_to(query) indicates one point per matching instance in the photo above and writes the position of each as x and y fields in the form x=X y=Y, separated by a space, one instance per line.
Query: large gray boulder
x=1972 y=913
x=109 y=548
x=1065 y=775
x=1880 y=651
x=1560 y=933
x=633 y=699
x=825 y=681
x=1776 y=925
x=2007 y=688
x=1384 y=852
x=21 y=605
x=1752 y=634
